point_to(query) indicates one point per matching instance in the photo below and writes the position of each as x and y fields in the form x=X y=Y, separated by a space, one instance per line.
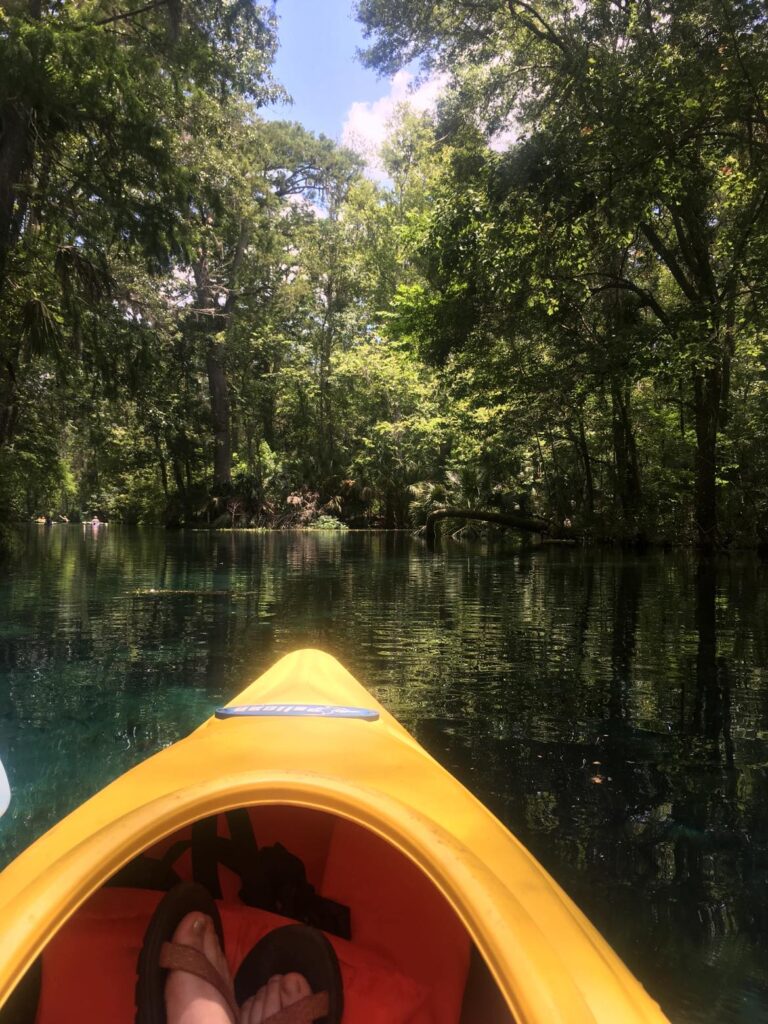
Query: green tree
x=253 y=177
x=646 y=122
x=92 y=98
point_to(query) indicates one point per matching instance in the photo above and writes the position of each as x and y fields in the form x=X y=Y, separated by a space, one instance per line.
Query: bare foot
x=189 y=999
x=281 y=990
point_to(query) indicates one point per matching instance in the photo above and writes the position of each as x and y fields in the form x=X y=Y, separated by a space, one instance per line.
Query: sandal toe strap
x=175 y=956
x=305 y=1011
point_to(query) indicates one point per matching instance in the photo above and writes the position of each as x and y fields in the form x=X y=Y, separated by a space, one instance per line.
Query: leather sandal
x=302 y=949
x=292 y=948
x=159 y=955
x=175 y=956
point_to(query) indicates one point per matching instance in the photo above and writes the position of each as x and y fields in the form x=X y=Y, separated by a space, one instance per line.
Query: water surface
x=611 y=709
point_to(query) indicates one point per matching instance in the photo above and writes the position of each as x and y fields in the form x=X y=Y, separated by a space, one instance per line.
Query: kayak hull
x=549 y=963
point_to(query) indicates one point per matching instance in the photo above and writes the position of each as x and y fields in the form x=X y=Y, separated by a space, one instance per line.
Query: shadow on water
x=611 y=708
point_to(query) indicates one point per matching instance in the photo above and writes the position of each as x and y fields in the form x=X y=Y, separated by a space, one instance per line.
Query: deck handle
x=296 y=711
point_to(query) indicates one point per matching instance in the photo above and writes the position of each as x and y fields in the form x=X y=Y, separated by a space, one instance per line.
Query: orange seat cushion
x=89 y=967
x=399 y=914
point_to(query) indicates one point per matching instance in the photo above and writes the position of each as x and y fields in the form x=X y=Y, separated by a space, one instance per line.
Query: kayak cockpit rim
x=174 y=811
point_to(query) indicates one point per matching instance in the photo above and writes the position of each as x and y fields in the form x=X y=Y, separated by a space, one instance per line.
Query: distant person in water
x=48 y=520
x=95 y=521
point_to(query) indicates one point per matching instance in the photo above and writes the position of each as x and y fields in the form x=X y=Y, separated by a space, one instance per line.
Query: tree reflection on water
x=610 y=708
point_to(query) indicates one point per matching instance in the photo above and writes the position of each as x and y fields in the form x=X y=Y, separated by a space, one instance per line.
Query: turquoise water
x=611 y=709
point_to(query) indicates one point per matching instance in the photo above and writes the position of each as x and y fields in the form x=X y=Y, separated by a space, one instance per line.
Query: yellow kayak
x=438 y=914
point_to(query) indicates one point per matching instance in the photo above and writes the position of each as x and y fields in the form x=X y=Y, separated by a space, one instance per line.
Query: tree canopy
x=553 y=305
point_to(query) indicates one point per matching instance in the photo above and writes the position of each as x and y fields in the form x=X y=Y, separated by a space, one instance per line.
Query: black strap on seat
x=278 y=882
x=272 y=878
x=205 y=855
x=243 y=841
x=149 y=872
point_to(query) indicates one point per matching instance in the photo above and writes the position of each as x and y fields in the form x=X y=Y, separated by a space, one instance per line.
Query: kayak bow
x=307 y=736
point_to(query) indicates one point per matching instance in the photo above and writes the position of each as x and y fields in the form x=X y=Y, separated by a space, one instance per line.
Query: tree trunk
x=390 y=515
x=16 y=155
x=177 y=468
x=218 y=386
x=220 y=416
x=161 y=464
x=325 y=432
x=729 y=347
x=707 y=391
x=268 y=419
x=9 y=409
x=518 y=522
x=589 y=483
x=628 y=488
x=711 y=400
x=264 y=371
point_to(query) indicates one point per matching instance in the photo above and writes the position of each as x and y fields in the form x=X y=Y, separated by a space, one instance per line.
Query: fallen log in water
x=162 y=592
x=528 y=524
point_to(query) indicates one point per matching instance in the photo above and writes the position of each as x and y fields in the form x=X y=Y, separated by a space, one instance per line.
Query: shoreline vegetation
x=553 y=307
x=476 y=532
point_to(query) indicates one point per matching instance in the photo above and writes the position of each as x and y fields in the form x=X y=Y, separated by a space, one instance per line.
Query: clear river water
x=610 y=708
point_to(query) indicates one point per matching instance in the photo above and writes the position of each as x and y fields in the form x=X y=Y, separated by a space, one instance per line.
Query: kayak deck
x=535 y=956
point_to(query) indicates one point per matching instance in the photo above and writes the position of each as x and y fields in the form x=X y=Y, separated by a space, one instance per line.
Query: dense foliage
x=555 y=304
x=609 y=257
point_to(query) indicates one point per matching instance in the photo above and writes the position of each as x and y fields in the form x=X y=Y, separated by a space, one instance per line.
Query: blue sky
x=332 y=92
x=317 y=65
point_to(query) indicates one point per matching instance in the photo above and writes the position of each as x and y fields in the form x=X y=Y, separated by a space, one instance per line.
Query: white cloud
x=366 y=125
x=303 y=203
x=501 y=141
